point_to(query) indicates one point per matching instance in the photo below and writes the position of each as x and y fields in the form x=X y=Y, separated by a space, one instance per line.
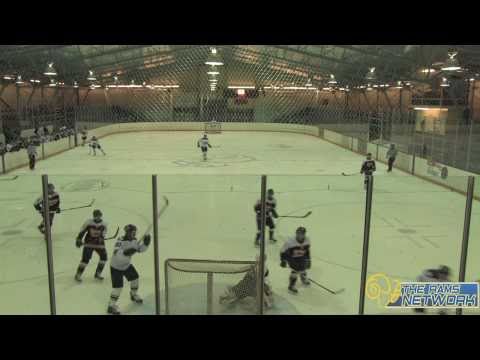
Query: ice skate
x=99 y=277
x=136 y=298
x=113 y=310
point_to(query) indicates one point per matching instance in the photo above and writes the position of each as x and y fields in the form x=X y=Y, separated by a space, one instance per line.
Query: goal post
x=194 y=286
x=213 y=127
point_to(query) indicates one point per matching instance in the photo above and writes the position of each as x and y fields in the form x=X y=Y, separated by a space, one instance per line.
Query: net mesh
x=196 y=287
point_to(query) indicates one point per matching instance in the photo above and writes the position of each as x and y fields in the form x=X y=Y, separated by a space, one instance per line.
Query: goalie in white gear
x=247 y=288
x=204 y=144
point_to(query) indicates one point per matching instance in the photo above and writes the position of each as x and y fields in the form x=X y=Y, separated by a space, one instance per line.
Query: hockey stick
x=324 y=288
x=296 y=217
x=344 y=174
x=10 y=179
x=162 y=210
x=114 y=236
x=79 y=207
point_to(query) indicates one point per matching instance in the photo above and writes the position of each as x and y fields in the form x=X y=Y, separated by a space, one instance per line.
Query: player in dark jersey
x=271 y=212
x=84 y=136
x=296 y=253
x=368 y=168
x=92 y=237
x=54 y=206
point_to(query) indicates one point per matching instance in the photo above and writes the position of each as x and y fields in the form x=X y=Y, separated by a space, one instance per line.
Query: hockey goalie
x=246 y=289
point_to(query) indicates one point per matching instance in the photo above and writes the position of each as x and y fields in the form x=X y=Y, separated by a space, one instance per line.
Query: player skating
x=368 y=168
x=121 y=266
x=204 y=144
x=94 y=230
x=247 y=288
x=442 y=274
x=32 y=155
x=53 y=205
x=271 y=212
x=94 y=145
x=296 y=253
x=84 y=136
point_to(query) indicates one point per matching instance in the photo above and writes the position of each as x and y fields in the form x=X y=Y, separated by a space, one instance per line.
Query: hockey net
x=213 y=127
x=196 y=287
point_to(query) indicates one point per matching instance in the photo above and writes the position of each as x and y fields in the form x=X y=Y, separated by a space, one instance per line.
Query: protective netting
x=255 y=83
x=194 y=287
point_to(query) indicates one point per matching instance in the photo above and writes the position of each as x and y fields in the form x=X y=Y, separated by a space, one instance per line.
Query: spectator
x=45 y=130
x=391 y=155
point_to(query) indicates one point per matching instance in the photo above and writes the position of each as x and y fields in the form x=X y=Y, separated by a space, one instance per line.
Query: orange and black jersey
x=271 y=205
x=368 y=167
x=94 y=233
x=53 y=202
x=293 y=250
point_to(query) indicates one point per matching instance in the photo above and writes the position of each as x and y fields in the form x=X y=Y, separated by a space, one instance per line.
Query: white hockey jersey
x=203 y=143
x=120 y=261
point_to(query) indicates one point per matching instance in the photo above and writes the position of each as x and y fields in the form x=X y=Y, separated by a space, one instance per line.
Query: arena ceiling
x=257 y=65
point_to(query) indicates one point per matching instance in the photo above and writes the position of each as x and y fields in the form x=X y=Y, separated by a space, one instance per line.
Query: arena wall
x=455 y=181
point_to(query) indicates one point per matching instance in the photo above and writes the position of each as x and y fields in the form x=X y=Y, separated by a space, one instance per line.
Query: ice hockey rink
x=415 y=223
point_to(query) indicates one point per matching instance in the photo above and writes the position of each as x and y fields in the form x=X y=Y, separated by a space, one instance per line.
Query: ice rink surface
x=415 y=224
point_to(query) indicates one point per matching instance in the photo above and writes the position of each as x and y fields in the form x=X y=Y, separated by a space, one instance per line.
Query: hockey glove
x=147 y=239
x=38 y=208
x=308 y=264
x=58 y=211
x=129 y=252
x=79 y=242
x=283 y=263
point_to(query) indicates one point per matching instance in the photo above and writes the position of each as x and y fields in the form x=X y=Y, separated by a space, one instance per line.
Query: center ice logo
x=217 y=161
x=86 y=185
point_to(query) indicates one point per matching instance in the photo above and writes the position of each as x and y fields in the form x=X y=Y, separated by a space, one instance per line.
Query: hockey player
x=53 y=204
x=94 y=230
x=32 y=155
x=368 y=168
x=204 y=144
x=84 y=136
x=296 y=253
x=247 y=287
x=442 y=274
x=271 y=212
x=94 y=144
x=121 y=266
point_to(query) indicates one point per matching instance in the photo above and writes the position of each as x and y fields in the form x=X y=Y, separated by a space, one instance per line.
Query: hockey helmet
x=444 y=270
x=51 y=187
x=300 y=234
x=301 y=230
x=97 y=213
x=270 y=192
x=130 y=228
